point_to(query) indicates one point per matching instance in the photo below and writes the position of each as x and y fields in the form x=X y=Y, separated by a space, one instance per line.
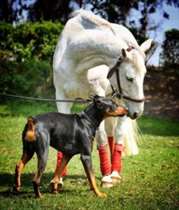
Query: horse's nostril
x=135 y=115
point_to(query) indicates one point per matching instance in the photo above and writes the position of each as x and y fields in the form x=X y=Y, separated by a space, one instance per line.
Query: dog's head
x=108 y=107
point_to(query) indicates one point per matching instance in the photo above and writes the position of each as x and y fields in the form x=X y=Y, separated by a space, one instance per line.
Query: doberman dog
x=70 y=133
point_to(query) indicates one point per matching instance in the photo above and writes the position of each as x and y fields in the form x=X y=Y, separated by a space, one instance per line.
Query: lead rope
x=77 y=100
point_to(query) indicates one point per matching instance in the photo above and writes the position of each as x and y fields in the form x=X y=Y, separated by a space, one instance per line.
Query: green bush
x=31 y=77
x=29 y=40
x=26 y=52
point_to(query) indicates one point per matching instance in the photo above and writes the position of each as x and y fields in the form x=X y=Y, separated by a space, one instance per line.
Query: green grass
x=150 y=179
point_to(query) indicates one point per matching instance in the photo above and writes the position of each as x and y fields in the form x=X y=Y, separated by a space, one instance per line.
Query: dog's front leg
x=58 y=172
x=86 y=160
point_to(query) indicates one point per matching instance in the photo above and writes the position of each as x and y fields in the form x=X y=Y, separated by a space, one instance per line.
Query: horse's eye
x=130 y=79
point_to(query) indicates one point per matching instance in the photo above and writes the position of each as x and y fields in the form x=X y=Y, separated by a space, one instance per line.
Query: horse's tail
x=131 y=137
x=30 y=130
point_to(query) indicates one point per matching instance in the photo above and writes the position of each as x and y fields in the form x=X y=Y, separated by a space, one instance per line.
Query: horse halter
x=119 y=93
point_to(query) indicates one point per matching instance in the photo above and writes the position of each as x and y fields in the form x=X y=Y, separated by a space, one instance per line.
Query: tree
x=170 y=53
x=50 y=10
x=118 y=10
x=115 y=11
x=6 y=10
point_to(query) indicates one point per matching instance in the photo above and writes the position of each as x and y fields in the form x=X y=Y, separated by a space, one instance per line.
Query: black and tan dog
x=70 y=133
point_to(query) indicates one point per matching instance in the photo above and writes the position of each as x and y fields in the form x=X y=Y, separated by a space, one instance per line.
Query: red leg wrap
x=105 y=163
x=111 y=144
x=59 y=160
x=116 y=158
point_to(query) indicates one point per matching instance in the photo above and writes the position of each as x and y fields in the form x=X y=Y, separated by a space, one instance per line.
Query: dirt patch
x=162 y=93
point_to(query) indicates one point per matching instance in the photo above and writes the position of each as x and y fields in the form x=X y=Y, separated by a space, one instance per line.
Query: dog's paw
x=102 y=195
x=55 y=187
x=38 y=196
x=15 y=190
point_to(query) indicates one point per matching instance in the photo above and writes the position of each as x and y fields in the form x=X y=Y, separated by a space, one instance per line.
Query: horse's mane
x=90 y=18
x=114 y=38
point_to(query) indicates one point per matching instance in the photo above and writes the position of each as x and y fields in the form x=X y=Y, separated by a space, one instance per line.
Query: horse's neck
x=98 y=54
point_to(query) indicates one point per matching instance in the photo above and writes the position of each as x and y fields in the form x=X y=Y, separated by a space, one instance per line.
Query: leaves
x=30 y=40
x=166 y=15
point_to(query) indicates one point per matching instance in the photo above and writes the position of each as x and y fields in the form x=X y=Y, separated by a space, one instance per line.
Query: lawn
x=150 y=179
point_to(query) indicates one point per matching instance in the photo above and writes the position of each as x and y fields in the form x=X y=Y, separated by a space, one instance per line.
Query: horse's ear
x=151 y=51
x=145 y=46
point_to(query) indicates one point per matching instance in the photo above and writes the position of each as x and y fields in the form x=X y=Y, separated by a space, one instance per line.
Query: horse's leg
x=64 y=108
x=99 y=83
x=104 y=156
x=115 y=149
x=110 y=125
x=120 y=131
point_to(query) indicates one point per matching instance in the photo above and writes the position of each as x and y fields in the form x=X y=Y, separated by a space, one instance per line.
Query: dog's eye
x=99 y=105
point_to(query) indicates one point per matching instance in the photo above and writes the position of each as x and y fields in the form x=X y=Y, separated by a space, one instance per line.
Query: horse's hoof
x=116 y=178
x=106 y=182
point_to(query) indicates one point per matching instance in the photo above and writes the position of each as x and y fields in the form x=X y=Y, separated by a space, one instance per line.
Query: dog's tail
x=30 y=130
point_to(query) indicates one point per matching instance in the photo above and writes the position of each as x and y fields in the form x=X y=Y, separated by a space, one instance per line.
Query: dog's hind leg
x=58 y=173
x=19 y=167
x=42 y=155
x=42 y=161
x=86 y=160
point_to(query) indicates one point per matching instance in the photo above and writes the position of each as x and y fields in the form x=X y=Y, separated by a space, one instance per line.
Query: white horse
x=88 y=48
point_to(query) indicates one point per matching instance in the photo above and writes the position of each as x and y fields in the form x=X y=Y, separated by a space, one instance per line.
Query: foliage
x=149 y=180
x=31 y=77
x=170 y=54
x=15 y=10
x=140 y=37
x=29 y=40
x=6 y=10
x=50 y=10
x=118 y=11
x=114 y=10
x=25 y=55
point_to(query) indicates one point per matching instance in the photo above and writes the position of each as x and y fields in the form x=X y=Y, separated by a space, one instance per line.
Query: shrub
x=29 y=40
x=31 y=77
x=25 y=54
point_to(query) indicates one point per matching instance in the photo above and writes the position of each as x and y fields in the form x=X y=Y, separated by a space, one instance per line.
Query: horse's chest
x=77 y=86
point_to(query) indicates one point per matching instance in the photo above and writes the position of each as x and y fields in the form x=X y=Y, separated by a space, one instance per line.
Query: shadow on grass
x=7 y=183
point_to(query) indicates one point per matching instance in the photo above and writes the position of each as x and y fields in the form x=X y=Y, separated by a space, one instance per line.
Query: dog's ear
x=96 y=97
x=98 y=102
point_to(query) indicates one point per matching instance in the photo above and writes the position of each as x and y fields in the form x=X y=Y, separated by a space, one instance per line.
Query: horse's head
x=130 y=73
